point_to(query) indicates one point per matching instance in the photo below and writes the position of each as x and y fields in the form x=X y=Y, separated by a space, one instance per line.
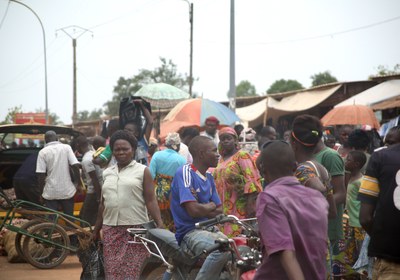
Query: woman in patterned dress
x=127 y=198
x=237 y=180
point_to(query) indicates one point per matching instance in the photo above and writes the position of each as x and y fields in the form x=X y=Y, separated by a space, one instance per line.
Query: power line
x=26 y=71
x=5 y=14
x=329 y=34
x=135 y=10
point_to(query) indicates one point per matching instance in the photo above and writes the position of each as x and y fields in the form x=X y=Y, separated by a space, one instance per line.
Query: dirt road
x=69 y=269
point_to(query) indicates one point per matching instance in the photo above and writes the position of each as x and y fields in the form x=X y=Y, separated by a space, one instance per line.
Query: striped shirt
x=54 y=160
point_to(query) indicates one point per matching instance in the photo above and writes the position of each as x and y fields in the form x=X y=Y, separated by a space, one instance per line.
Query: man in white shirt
x=211 y=125
x=54 y=178
x=186 y=136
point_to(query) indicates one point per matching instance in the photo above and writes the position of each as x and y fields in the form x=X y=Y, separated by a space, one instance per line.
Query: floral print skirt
x=122 y=260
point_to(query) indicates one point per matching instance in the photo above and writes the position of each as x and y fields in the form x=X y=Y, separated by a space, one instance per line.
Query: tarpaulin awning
x=303 y=100
x=387 y=104
x=253 y=114
x=378 y=93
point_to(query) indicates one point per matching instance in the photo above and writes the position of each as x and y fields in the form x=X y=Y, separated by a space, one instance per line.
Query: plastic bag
x=92 y=262
x=129 y=111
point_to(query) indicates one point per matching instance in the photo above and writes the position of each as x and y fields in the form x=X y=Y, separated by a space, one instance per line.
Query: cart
x=44 y=240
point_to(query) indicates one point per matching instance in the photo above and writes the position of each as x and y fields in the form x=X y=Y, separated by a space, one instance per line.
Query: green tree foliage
x=166 y=73
x=383 y=70
x=90 y=116
x=322 y=78
x=11 y=114
x=54 y=119
x=284 y=86
x=245 y=88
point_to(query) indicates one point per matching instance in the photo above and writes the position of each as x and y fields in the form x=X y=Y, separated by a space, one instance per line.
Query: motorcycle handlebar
x=219 y=219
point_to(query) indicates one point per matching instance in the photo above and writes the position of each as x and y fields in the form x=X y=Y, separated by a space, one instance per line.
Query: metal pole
x=232 y=86
x=74 y=111
x=45 y=58
x=191 y=50
x=191 y=47
x=74 y=39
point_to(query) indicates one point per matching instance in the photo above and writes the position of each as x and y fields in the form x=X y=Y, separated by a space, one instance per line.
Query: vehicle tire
x=41 y=253
x=20 y=237
x=155 y=274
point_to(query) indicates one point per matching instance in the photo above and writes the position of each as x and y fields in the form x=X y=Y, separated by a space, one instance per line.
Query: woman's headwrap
x=231 y=131
x=172 y=140
x=227 y=130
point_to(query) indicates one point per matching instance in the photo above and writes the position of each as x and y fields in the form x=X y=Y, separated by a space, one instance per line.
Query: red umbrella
x=352 y=115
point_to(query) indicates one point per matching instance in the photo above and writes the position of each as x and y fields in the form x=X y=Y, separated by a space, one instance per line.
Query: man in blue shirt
x=193 y=199
x=25 y=180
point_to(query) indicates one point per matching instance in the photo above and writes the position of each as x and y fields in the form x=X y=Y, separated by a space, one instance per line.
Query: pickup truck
x=18 y=141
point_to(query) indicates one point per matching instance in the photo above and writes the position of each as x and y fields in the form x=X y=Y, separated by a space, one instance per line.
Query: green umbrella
x=162 y=95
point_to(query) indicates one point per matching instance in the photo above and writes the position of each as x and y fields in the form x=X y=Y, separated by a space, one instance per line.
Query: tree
x=322 y=78
x=11 y=114
x=245 y=88
x=166 y=73
x=384 y=70
x=53 y=117
x=284 y=86
x=89 y=116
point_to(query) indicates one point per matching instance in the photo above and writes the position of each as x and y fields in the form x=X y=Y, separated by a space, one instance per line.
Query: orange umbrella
x=352 y=115
x=193 y=112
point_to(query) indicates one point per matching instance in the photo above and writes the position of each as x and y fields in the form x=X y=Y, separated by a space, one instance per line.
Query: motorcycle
x=168 y=261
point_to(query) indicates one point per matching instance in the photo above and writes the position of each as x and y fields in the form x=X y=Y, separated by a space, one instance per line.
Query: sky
x=275 y=40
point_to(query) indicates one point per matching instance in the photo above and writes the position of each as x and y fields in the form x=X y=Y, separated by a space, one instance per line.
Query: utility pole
x=191 y=51
x=76 y=32
x=232 y=86
x=191 y=47
x=45 y=58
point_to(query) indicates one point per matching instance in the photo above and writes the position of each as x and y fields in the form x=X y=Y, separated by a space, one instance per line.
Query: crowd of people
x=318 y=202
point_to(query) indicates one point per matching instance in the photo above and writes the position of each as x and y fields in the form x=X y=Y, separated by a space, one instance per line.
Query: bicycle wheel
x=41 y=253
x=19 y=238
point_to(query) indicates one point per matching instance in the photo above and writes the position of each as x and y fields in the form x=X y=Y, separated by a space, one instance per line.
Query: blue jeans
x=195 y=242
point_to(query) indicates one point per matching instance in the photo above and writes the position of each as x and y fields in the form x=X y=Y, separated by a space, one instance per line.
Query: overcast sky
x=274 y=40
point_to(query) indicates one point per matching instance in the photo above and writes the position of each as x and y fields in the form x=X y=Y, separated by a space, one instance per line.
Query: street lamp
x=191 y=46
x=45 y=58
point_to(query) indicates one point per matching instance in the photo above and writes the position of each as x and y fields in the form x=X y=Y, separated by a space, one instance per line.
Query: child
x=354 y=162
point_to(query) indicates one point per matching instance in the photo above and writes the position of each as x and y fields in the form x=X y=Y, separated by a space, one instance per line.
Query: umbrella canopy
x=162 y=95
x=193 y=112
x=352 y=115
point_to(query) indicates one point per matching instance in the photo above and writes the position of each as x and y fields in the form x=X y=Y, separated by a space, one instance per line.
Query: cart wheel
x=20 y=237
x=41 y=253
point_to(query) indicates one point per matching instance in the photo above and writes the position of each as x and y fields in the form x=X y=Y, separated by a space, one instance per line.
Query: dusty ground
x=69 y=269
